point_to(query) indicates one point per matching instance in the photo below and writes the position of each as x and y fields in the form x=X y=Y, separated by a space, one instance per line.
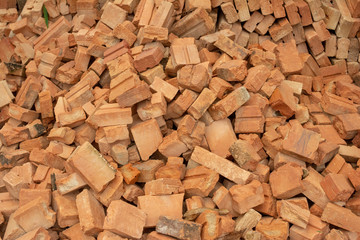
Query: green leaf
x=46 y=16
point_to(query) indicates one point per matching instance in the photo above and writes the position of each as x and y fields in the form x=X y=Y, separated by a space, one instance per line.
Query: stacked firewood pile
x=180 y=119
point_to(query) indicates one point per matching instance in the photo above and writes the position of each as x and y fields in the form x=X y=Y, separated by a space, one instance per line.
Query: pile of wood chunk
x=180 y=119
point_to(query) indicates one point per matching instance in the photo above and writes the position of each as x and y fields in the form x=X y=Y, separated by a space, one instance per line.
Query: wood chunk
x=231 y=48
x=247 y=196
x=194 y=25
x=221 y=166
x=340 y=217
x=337 y=187
x=125 y=219
x=181 y=229
x=156 y=206
x=91 y=166
x=91 y=213
x=283 y=188
x=149 y=144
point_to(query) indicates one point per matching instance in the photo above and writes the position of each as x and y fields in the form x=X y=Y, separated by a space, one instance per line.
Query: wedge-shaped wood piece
x=124 y=219
x=247 y=196
x=226 y=106
x=341 y=217
x=195 y=24
x=92 y=167
x=91 y=213
x=147 y=136
x=156 y=206
x=221 y=165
